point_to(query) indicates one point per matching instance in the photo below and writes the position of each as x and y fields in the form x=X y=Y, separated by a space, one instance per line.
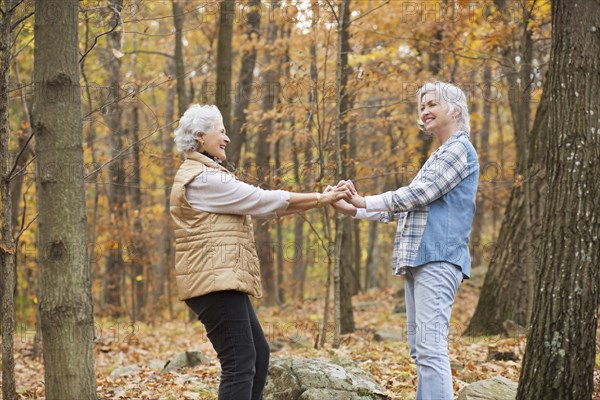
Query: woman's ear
x=199 y=137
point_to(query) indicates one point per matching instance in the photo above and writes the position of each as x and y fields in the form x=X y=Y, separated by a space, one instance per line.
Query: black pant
x=237 y=337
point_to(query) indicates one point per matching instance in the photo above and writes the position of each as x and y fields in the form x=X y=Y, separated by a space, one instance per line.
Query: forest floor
x=294 y=329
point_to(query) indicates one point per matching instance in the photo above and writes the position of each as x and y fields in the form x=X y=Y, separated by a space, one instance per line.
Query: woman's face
x=434 y=113
x=216 y=140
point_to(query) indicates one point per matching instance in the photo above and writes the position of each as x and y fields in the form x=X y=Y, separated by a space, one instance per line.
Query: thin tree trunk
x=7 y=245
x=17 y=181
x=138 y=249
x=179 y=21
x=263 y=160
x=65 y=286
x=162 y=280
x=281 y=292
x=114 y=265
x=91 y=142
x=483 y=152
x=560 y=357
x=237 y=134
x=343 y=274
x=224 y=60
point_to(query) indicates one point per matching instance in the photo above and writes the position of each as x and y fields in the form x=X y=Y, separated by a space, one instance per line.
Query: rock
x=319 y=379
x=496 y=388
x=125 y=370
x=400 y=306
x=157 y=365
x=186 y=359
x=388 y=336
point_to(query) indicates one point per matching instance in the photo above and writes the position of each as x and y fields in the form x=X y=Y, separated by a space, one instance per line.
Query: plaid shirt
x=409 y=205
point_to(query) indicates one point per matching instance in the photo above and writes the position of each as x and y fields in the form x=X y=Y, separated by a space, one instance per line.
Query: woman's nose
x=227 y=140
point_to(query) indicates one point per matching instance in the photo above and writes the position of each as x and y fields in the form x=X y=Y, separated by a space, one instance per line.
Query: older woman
x=434 y=213
x=216 y=262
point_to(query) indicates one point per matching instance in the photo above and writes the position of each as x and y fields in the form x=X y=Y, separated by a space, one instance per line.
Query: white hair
x=197 y=119
x=451 y=95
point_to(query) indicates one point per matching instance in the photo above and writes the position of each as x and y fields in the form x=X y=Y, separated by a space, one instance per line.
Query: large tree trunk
x=224 y=60
x=7 y=245
x=237 y=134
x=508 y=287
x=560 y=357
x=114 y=265
x=65 y=295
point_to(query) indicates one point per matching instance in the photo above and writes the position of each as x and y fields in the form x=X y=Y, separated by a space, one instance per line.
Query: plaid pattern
x=409 y=205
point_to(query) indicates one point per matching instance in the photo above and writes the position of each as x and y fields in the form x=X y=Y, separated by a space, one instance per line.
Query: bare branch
x=10 y=175
x=24 y=229
x=126 y=149
x=20 y=20
x=158 y=53
x=369 y=12
x=24 y=168
x=96 y=41
x=333 y=11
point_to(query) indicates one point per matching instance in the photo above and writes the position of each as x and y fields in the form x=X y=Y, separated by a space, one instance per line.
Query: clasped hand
x=350 y=203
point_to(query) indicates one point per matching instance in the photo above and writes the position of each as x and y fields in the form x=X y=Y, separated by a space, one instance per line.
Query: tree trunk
x=114 y=265
x=137 y=247
x=179 y=21
x=344 y=267
x=65 y=287
x=138 y=250
x=483 y=150
x=7 y=244
x=162 y=275
x=237 y=134
x=263 y=160
x=224 y=60
x=560 y=357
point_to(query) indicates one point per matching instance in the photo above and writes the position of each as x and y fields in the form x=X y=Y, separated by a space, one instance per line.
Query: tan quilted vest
x=213 y=252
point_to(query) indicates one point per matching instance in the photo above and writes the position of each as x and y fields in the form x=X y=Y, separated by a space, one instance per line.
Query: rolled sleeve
x=440 y=174
x=221 y=194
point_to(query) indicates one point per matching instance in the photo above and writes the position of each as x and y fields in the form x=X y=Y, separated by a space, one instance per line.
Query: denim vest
x=449 y=220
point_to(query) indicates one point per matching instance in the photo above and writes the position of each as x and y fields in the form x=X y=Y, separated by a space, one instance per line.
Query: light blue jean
x=429 y=291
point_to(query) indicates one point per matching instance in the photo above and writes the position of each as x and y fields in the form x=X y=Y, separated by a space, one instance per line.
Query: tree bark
x=343 y=274
x=65 y=295
x=270 y=94
x=559 y=360
x=179 y=21
x=7 y=243
x=114 y=265
x=483 y=152
x=224 y=60
x=162 y=276
x=237 y=134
